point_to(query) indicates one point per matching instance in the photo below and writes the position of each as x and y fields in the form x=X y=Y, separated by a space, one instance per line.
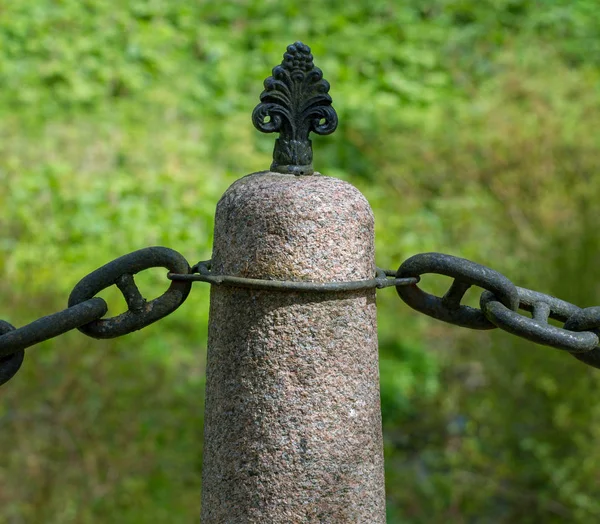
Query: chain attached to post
x=499 y=303
x=86 y=310
x=294 y=103
x=120 y=273
x=465 y=274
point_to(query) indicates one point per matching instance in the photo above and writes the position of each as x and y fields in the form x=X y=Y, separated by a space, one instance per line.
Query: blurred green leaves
x=470 y=125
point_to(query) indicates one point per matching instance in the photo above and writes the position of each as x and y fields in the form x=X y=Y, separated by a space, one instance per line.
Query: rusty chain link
x=499 y=303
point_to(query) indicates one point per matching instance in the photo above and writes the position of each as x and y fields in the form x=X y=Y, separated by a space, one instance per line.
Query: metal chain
x=120 y=272
x=85 y=310
x=499 y=303
x=9 y=364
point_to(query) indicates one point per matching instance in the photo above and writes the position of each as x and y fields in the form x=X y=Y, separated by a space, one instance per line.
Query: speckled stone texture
x=293 y=423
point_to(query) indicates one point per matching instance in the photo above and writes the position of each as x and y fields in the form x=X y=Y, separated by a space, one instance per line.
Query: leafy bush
x=470 y=126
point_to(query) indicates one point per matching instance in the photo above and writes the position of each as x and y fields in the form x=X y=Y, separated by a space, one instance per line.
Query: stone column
x=293 y=422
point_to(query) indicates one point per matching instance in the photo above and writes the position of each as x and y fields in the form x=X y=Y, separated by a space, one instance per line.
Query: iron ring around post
x=586 y=319
x=538 y=330
x=201 y=272
x=10 y=364
x=465 y=273
x=144 y=313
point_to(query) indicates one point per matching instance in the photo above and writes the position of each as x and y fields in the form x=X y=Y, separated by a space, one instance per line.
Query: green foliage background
x=470 y=125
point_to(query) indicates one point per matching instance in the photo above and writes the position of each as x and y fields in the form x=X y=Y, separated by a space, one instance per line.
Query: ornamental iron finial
x=294 y=103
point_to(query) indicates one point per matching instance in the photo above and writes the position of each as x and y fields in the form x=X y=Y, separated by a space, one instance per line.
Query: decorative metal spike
x=294 y=103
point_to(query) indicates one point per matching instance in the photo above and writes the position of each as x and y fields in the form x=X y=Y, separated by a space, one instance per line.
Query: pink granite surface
x=293 y=423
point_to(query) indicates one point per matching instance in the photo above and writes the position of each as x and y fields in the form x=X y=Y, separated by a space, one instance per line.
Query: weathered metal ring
x=586 y=319
x=9 y=364
x=201 y=272
x=140 y=313
x=465 y=274
x=537 y=329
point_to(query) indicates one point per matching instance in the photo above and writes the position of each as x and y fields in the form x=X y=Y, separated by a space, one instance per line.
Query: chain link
x=499 y=303
x=586 y=319
x=51 y=326
x=120 y=272
x=85 y=310
x=9 y=364
x=537 y=329
x=465 y=274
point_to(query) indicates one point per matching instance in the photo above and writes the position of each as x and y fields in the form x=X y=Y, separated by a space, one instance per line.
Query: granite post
x=292 y=430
